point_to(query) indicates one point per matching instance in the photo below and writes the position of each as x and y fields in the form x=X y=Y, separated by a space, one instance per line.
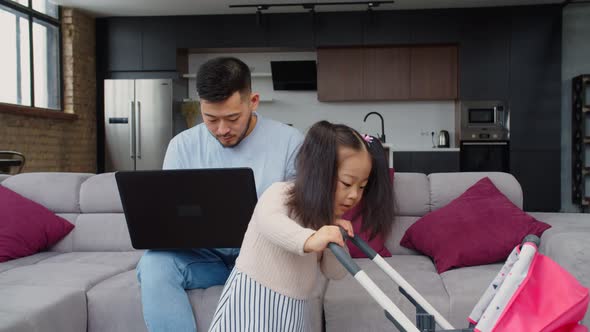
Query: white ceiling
x=207 y=7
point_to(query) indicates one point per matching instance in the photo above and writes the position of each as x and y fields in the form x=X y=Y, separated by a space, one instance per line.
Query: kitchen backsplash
x=408 y=125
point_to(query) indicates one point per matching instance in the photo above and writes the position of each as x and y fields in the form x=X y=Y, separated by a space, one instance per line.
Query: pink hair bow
x=368 y=139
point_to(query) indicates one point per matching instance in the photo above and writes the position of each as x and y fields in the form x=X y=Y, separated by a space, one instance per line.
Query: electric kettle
x=443 y=139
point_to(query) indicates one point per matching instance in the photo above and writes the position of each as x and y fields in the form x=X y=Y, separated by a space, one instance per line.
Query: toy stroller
x=531 y=293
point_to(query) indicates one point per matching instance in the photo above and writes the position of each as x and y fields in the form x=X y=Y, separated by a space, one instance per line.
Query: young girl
x=294 y=222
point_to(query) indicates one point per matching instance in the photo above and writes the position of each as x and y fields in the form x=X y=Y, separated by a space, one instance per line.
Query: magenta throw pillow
x=377 y=243
x=27 y=227
x=479 y=227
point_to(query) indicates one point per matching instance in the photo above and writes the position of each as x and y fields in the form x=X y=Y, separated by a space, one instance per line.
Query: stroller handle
x=353 y=268
x=532 y=238
x=343 y=256
x=392 y=312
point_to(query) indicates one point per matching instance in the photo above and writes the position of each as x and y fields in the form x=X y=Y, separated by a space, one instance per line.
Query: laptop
x=181 y=209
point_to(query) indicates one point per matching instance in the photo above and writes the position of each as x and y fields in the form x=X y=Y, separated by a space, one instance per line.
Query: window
x=30 y=70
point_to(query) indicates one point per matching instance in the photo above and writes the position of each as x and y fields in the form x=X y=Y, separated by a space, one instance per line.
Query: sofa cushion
x=101 y=232
x=24 y=261
x=71 y=270
x=59 y=192
x=479 y=227
x=445 y=187
x=348 y=307
x=27 y=227
x=67 y=243
x=34 y=308
x=99 y=194
x=465 y=286
x=411 y=194
x=122 y=260
x=115 y=305
x=400 y=226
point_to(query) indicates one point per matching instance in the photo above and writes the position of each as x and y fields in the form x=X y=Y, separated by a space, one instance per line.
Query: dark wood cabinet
x=426 y=161
x=340 y=74
x=387 y=73
x=433 y=72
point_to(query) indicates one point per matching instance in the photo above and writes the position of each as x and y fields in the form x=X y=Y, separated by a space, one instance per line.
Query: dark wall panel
x=508 y=53
x=339 y=29
x=484 y=55
x=123 y=47
x=158 y=45
x=538 y=174
x=388 y=28
x=290 y=30
x=535 y=103
x=435 y=26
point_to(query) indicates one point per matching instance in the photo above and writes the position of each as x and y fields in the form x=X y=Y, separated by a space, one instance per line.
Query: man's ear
x=254 y=101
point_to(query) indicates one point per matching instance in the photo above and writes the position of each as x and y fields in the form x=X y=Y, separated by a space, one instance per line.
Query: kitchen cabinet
x=384 y=72
x=123 y=44
x=426 y=161
x=340 y=74
x=433 y=72
x=387 y=73
x=158 y=46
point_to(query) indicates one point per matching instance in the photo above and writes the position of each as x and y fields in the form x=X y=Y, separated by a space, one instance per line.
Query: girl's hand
x=347 y=225
x=319 y=241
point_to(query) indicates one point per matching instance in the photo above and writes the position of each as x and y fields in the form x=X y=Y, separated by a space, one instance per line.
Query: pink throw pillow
x=377 y=243
x=27 y=227
x=479 y=227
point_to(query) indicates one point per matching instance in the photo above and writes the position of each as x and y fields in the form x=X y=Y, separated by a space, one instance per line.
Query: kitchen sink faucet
x=382 y=137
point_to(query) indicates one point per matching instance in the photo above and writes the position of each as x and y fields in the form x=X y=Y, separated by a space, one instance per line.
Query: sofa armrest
x=571 y=250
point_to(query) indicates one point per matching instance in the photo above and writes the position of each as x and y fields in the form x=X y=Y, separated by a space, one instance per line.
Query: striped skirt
x=246 y=305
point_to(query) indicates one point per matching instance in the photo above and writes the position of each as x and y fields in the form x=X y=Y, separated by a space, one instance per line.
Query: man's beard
x=242 y=136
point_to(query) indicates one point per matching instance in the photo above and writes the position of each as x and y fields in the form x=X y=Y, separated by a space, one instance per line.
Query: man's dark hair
x=311 y=200
x=219 y=78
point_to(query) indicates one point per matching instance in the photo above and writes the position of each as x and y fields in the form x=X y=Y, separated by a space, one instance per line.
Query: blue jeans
x=165 y=276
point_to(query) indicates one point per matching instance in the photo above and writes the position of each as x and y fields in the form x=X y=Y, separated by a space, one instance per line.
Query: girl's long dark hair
x=311 y=200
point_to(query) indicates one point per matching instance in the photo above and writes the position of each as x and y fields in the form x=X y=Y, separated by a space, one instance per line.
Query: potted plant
x=190 y=110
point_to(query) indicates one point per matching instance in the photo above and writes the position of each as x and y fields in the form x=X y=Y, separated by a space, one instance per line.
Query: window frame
x=33 y=15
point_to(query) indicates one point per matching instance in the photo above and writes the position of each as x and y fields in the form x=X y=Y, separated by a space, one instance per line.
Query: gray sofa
x=87 y=281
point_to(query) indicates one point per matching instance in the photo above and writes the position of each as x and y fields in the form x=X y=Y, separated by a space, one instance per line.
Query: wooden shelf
x=585 y=109
x=587 y=140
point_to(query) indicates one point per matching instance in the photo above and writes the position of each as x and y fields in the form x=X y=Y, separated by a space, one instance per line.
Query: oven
x=484 y=136
x=484 y=156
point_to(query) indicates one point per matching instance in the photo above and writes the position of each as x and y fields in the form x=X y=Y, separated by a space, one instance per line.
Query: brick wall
x=64 y=145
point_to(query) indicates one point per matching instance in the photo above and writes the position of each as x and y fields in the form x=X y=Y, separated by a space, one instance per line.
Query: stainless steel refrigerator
x=138 y=123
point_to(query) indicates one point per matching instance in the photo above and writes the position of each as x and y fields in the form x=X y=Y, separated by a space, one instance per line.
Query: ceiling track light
x=311 y=5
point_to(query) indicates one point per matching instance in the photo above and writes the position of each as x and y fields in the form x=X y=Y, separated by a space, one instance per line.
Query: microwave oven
x=485 y=120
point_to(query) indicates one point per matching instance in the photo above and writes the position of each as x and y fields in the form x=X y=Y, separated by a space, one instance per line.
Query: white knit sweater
x=272 y=251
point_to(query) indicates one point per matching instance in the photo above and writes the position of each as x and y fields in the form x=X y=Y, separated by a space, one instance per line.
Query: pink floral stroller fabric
x=531 y=293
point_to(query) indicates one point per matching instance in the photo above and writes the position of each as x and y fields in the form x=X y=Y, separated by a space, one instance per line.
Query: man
x=232 y=135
